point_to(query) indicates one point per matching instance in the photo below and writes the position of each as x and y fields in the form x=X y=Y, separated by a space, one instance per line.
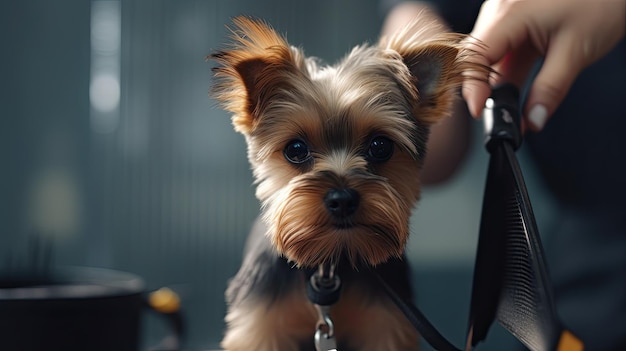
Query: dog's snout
x=341 y=202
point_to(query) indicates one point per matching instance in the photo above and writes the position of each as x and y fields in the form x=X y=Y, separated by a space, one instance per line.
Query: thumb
x=557 y=74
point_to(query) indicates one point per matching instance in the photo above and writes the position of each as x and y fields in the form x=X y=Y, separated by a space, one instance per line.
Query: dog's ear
x=437 y=62
x=436 y=76
x=259 y=64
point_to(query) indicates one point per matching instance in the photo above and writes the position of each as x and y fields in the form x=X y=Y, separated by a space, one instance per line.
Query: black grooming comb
x=511 y=282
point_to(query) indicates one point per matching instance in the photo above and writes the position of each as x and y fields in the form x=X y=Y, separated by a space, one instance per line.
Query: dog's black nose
x=342 y=202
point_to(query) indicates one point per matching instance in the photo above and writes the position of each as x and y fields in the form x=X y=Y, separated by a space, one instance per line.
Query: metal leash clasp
x=325 y=333
x=323 y=291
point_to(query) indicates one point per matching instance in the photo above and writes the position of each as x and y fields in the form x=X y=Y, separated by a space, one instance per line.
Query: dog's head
x=336 y=150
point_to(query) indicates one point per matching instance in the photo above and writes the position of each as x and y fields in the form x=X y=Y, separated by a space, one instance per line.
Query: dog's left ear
x=436 y=73
x=436 y=62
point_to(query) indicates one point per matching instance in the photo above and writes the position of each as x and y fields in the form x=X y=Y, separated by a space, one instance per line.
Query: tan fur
x=274 y=327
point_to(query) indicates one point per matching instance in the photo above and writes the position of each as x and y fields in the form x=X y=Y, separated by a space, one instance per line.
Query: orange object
x=164 y=300
x=569 y=342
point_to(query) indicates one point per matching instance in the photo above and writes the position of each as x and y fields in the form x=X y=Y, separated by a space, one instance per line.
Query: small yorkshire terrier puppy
x=336 y=153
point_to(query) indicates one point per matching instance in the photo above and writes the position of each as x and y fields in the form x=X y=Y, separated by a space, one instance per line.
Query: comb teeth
x=517 y=311
x=511 y=282
x=525 y=308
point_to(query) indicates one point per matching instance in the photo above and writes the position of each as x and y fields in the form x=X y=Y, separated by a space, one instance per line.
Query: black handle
x=501 y=117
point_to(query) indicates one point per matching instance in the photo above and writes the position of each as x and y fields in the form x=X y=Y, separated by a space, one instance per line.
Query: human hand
x=510 y=35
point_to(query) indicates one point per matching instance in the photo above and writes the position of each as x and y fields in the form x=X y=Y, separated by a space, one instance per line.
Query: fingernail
x=538 y=116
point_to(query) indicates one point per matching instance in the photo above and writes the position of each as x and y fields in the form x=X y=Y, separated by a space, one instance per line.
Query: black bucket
x=72 y=309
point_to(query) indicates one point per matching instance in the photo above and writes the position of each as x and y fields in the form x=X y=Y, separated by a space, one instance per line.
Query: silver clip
x=325 y=334
x=326 y=280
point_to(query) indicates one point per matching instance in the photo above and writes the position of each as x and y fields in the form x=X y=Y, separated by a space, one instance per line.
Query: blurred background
x=113 y=155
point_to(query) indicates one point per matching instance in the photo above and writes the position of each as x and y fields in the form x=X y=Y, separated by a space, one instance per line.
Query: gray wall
x=165 y=190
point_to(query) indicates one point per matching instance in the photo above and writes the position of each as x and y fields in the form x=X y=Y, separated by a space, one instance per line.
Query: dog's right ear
x=258 y=66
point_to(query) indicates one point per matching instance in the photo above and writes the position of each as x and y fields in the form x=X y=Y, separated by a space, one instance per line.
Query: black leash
x=417 y=319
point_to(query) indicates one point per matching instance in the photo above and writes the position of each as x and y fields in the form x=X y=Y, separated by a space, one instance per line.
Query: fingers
x=499 y=29
x=475 y=92
x=560 y=68
x=516 y=65
x=514 y=68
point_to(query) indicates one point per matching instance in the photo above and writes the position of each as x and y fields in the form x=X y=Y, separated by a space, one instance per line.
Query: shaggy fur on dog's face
x=361 y=124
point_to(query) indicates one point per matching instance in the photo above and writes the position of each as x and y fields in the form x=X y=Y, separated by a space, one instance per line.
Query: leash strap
x=417 y=319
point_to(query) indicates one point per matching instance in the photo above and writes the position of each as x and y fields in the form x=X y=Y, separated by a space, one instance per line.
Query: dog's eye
x=380 y=149
x=297 y=152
